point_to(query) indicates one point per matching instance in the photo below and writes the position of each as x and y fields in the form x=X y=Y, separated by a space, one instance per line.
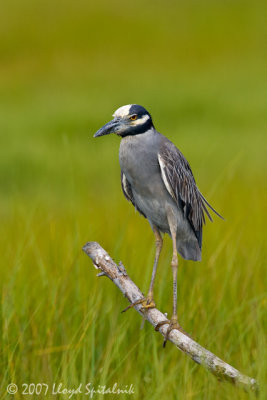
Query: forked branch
x=199 y=354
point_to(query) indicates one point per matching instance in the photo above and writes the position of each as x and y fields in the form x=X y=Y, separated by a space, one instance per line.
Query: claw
x=146 y=302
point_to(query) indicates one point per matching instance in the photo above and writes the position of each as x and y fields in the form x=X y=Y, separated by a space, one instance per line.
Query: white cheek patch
x=140 y=121
x=122 y=111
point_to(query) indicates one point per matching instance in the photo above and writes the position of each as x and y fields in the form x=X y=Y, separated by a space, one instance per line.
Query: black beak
x=110 y=127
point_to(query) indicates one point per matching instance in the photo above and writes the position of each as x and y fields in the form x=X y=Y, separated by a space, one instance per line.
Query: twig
x=199 y=354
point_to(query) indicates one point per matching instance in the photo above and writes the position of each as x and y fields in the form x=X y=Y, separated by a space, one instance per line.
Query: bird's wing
x=180 y=183
x=127 y=191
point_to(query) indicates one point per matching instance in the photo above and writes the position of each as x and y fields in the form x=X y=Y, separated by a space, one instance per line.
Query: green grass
x=65 y=67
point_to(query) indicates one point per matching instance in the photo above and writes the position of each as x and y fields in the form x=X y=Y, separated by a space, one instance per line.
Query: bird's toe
x=173 y=324
x=147 y=302
x=160 y=324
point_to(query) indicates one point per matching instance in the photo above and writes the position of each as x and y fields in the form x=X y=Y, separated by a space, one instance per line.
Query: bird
x=157 y=179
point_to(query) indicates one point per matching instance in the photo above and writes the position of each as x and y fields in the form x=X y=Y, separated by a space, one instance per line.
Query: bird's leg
x=148 y=301
x=173 y=322
x=159 y=243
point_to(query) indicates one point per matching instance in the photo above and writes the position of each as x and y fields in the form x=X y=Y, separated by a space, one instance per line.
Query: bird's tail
x=204 y=204
x=189 y=249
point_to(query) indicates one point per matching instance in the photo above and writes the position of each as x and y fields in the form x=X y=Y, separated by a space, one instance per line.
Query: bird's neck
x=139 y=129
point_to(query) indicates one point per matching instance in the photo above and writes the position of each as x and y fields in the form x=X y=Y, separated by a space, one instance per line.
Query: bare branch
x=199 y=354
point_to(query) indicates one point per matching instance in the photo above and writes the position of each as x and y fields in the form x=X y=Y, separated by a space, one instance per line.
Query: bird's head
x=128 y=120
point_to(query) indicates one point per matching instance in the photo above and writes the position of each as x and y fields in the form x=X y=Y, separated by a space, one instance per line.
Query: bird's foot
x=173 y=324
x=147 y=302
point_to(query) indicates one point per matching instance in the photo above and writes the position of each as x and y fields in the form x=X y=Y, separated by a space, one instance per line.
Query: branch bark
x=199 y=354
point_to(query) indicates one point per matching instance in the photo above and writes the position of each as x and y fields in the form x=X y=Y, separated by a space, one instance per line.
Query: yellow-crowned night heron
x=158 y=180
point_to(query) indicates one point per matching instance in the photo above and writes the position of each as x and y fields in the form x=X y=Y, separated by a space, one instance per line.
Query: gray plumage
x=159 y=182
x=156 y=177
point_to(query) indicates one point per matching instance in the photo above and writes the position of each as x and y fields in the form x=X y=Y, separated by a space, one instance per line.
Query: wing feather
x=180 y=183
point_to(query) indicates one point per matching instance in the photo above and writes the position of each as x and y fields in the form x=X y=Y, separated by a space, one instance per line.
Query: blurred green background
x=200 y=69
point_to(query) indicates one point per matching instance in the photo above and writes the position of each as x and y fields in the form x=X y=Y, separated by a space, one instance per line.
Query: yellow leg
x=148 y=301
x=173 y=322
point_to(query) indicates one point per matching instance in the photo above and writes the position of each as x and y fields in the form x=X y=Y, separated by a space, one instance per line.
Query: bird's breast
x=139 y=162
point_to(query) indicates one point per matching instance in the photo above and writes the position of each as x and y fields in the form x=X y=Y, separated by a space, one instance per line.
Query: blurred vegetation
x=65 y=66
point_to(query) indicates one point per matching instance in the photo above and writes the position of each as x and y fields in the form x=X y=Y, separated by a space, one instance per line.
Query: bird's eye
x=133 y=117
